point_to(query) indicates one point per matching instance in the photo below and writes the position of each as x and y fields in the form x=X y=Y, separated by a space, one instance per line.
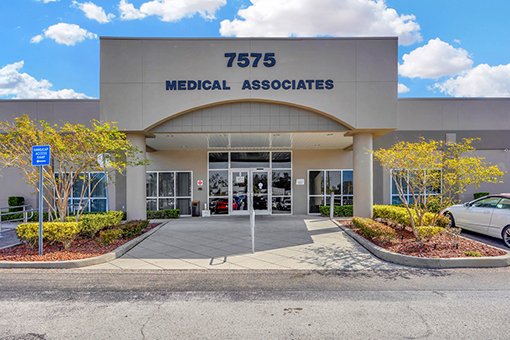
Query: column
x=135 y=183
x=363 y=176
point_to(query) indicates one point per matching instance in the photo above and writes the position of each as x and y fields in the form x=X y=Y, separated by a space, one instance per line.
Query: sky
x=49 y=49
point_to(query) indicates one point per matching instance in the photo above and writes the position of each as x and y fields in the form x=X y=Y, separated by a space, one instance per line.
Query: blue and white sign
x=41 y=155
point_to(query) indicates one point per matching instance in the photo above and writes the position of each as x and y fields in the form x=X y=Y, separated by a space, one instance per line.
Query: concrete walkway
x=281 y=242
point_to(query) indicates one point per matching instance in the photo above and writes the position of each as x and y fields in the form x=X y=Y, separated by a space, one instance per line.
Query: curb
x=83 y=262
x=421 y=262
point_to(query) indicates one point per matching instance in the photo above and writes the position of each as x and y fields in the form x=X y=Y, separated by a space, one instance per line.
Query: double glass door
x=250 y=188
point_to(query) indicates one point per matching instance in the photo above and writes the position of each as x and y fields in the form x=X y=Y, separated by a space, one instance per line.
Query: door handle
x=487 y=212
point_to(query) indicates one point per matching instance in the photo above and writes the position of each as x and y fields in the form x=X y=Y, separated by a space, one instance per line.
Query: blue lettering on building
x=257 y=84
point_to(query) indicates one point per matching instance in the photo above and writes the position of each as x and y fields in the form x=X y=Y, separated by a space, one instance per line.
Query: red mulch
x=79 y=249
x=438 y=246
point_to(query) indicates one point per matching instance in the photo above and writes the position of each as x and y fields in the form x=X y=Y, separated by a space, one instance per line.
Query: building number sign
x=243 y=59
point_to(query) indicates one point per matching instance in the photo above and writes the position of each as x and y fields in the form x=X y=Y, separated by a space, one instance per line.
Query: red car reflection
x=222 y=205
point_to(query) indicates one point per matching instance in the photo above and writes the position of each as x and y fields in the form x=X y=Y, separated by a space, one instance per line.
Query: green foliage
x=426 y=233
x=474 y=253
x=91 y=224
x=400 y=215
x=477 y=195
x=163 y=214
x=106 y=237
x=15 y=201
x=35 y=217
x=133 y=228
x=339 y=210
x=372 y=229
x=62 y=232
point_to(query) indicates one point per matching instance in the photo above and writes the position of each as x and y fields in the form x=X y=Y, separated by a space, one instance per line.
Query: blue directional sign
x=41 y=155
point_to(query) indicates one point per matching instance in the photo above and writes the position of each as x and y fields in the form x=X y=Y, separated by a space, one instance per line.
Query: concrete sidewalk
x=281 y=242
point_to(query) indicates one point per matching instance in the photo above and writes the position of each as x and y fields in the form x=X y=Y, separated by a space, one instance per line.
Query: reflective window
x=504 y=204
x=334 y=182
x=323 y=183
x=282 y=182
x=218 y=183
x=417 y=177
x=166 y=184
x=249 y=160
x=151 y=183
x=183 y=184
x=169 y=190
x=281 y=160
x=490 y=202
x=94 y=183
x=218 y=160
x=316 y=183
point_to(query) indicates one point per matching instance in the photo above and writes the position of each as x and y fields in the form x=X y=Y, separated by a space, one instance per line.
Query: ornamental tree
x=433 y=174
x=81 y=157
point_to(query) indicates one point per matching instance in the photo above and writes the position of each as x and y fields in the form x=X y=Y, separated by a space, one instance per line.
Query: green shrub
x=15 y=201
x=163 y=214
x=400 y=215
x=339 y=210
x=426 y=233
x=106 y=237
x=477 y=195
x=133 y=228
x=372 y=229
x=62 y=232
x=91 y=224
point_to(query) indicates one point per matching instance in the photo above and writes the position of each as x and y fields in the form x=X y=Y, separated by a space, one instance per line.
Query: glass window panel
x=282 y=160
x=314 y=204
x=348 y=187
x=259 y=183
x=77 y=206
x=249 y=160
x=333 y=182
x=98 y=204
x=184 y=205
x=98 y=184
x=316 y=183
x=281 y=205
x=166 y=184
x=239 y=183
x=151 y=184
x=183 y=184
x=218 y=160
x=78 y=186
x=239 y=202
x=396 y=200
x=338 y=200
x=152 y=204
x=347 y=200
x=282 y=183
x=394 y=190
x=218 y=183
x=166 y=203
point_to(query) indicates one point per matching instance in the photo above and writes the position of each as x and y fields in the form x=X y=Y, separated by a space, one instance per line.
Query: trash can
x=195 y=208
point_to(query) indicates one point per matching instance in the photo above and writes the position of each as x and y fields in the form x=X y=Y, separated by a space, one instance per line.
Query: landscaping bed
x=438 y=246
x=79 y=249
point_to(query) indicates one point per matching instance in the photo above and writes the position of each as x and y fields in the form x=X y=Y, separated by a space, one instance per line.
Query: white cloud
x=457 y=41
x=435 y=60
x=46 y=1
x=402 y=88
x=37 y=39
x=16 y=85
x=481 y=81
x=171 y=10
x=94 y=12
x=129 y=12
x=62 y=33
x=304 y=18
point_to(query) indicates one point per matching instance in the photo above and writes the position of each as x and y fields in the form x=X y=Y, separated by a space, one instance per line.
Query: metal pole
x=41 y=209
x=106 y=184
x=332 y=205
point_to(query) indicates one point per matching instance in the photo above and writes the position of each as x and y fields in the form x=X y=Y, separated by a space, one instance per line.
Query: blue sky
x=448 y=48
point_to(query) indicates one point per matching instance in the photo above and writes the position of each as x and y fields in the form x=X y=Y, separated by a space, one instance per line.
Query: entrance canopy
x=259 y=141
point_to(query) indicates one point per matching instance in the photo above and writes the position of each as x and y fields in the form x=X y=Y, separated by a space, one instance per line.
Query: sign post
x=41 y=157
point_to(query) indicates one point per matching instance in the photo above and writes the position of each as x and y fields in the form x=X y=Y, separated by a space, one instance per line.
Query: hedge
x=400 y=215
x=133 y=228
x=163 y=214
x=61 y=232
x=15 y=201
x=338 y=210
x=426 y=233
x=477 y=195
x=372 y=229
x=91 y=224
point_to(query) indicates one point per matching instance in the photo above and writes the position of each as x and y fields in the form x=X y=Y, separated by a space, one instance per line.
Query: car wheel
x=452 y=220
x=505 y=235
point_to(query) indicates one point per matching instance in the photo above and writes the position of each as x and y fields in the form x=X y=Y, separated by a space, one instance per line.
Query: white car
x=489 y=215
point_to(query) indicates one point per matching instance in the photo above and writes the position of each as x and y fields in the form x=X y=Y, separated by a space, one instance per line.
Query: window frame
x=325 y=196
x=175 y=196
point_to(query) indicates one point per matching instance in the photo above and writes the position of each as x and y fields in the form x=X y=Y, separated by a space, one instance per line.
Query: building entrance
x=250 y=188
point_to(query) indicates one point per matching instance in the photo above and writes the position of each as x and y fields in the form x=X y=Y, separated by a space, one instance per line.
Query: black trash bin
x=195 y=208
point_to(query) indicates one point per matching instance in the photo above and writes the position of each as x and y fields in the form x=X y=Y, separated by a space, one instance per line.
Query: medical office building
x=275 y=124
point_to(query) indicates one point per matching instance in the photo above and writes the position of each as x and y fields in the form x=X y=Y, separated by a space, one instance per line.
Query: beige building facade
x=277 y=125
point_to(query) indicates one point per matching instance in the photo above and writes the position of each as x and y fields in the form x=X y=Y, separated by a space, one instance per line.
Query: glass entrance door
x=249 y=188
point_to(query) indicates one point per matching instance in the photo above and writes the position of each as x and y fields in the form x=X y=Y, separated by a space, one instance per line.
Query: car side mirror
x=466 y=205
